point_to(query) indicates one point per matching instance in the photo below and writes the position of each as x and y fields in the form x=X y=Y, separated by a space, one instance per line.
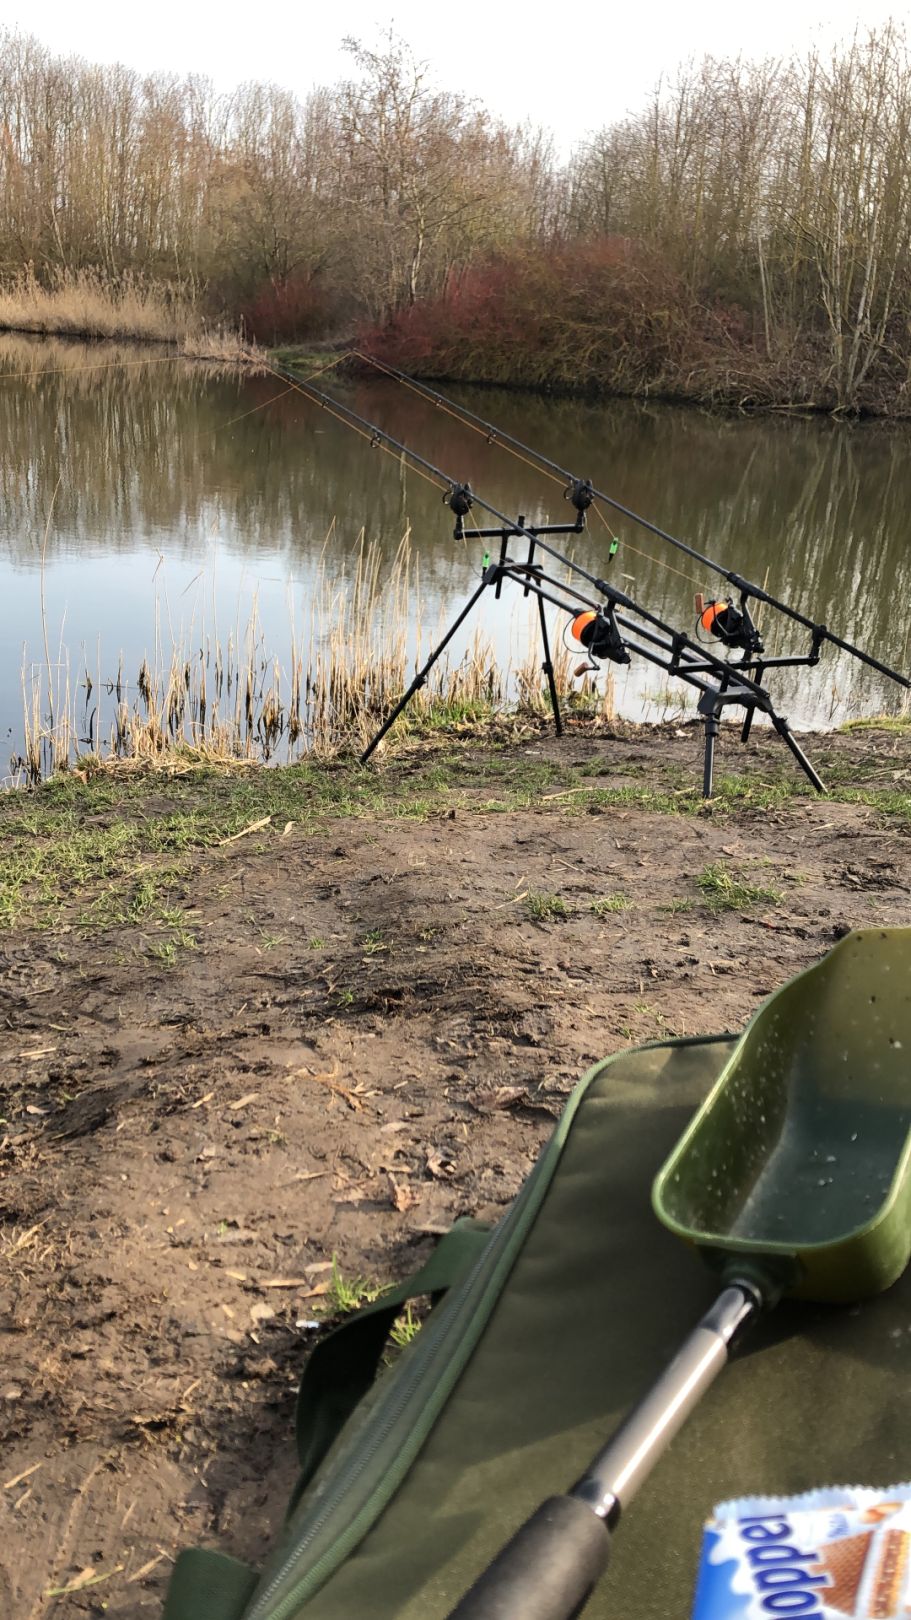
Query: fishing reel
x=460 y=499
x=727 y=623
x=581 y=492
x=598 y=632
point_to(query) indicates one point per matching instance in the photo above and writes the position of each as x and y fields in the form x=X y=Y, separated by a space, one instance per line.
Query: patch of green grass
x=680 y=902
x=316 y=943
x=628 y=797
x=543 y=907
x=147 y=903
x=611 y=902
x=108 y=843
x=347 y=1294
x=167 y=950
x=757 y=793
x=879 y=722
x=373 y=942
x=725 y=890
x=405 y=1328
x=442 y=714
x=645 y=1009
x=145 y=899
x=888 y=801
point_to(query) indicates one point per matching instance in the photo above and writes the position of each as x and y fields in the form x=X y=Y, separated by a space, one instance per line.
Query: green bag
x=550 y=1329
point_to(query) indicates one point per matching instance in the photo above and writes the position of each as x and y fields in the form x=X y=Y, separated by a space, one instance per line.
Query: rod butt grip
x=547 y=1571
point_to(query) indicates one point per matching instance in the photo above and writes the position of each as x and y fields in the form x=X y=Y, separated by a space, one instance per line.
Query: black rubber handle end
x=547 y=1571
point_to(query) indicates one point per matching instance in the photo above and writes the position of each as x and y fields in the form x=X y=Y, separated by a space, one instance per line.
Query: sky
x=573 y=67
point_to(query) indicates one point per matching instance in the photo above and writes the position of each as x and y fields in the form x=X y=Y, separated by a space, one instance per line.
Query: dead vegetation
x=352 y=653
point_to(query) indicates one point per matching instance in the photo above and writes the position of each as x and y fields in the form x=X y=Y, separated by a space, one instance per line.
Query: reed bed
x=227 y=698
x=85 y=303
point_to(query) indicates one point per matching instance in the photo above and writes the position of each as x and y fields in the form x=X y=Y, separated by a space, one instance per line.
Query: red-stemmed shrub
x=600 y=315
x=292 y=310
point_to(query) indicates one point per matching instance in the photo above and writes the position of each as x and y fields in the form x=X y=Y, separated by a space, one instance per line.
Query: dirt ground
x=380 y=1021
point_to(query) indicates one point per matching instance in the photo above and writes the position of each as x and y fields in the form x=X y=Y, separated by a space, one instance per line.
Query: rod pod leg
x=548 y=669
x=787 y=737
x=712 y=728
x=422 y=673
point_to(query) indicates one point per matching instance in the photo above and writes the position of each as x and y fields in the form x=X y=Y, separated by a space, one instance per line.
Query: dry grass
x=350 y=659
x=222 y=346
x=86 y=303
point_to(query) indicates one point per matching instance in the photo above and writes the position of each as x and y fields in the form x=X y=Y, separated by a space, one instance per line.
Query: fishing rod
x=746 y=588
x=602 y=629
x=461 y=498
x=456 y=492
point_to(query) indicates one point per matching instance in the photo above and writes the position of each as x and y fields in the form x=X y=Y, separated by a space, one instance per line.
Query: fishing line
x=367 y=430
x=101 y=365
x=745 y=587
x=493 y=437
x=289 y=390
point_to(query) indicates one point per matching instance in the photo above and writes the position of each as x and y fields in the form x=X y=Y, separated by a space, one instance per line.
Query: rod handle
x=547 y=1571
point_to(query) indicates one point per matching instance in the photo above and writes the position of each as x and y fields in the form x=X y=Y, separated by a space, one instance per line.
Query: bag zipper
x=459 y=1330
x=477 y=1299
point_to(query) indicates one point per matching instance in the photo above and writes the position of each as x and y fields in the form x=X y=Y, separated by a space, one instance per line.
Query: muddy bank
x=257 y=1026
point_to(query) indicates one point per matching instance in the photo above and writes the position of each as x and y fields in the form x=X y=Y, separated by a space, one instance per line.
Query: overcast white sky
x=572 y=66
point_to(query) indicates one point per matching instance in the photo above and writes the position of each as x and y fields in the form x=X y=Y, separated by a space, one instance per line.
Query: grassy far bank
x=120 y=845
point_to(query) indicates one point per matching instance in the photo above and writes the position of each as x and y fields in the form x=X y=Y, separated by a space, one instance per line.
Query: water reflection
x=210 y=471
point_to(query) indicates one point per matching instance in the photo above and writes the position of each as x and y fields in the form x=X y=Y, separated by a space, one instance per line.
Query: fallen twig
x=253 y=827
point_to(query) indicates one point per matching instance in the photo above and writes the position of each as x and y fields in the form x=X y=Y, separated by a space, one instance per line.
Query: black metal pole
x=548 y=668
x=712 y=726
x=758 y=673
x=787 y=737
x=422 y=673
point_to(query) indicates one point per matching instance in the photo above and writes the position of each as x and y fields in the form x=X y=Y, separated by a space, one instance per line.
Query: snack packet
x=828 y=1554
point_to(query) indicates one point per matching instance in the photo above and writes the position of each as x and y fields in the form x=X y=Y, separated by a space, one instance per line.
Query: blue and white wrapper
x=843 y=1551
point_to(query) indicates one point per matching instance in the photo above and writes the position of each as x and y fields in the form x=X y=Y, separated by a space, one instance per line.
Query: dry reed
x=85 y=303
x=232 y=699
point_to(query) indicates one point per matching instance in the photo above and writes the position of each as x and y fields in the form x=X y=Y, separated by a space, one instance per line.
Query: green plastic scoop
x=793 y=1178
x=798 y=1164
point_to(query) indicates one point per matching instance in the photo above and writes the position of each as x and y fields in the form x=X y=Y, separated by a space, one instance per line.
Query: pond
x=151 y=503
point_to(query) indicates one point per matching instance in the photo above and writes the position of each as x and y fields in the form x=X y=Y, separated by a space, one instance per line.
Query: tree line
x=746 y=236
x=349 y=202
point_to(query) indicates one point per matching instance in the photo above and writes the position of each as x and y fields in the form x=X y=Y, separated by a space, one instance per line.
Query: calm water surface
x=183 y=494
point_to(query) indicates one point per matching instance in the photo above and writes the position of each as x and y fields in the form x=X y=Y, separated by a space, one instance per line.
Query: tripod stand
x=493 y=575
x=719 y=681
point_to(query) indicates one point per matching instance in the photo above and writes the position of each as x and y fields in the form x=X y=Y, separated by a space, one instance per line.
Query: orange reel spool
x=581 y=623
x=708 y=616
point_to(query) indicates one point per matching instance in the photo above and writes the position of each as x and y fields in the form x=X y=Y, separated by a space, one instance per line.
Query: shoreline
x=424 y=736
x=229 y=349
